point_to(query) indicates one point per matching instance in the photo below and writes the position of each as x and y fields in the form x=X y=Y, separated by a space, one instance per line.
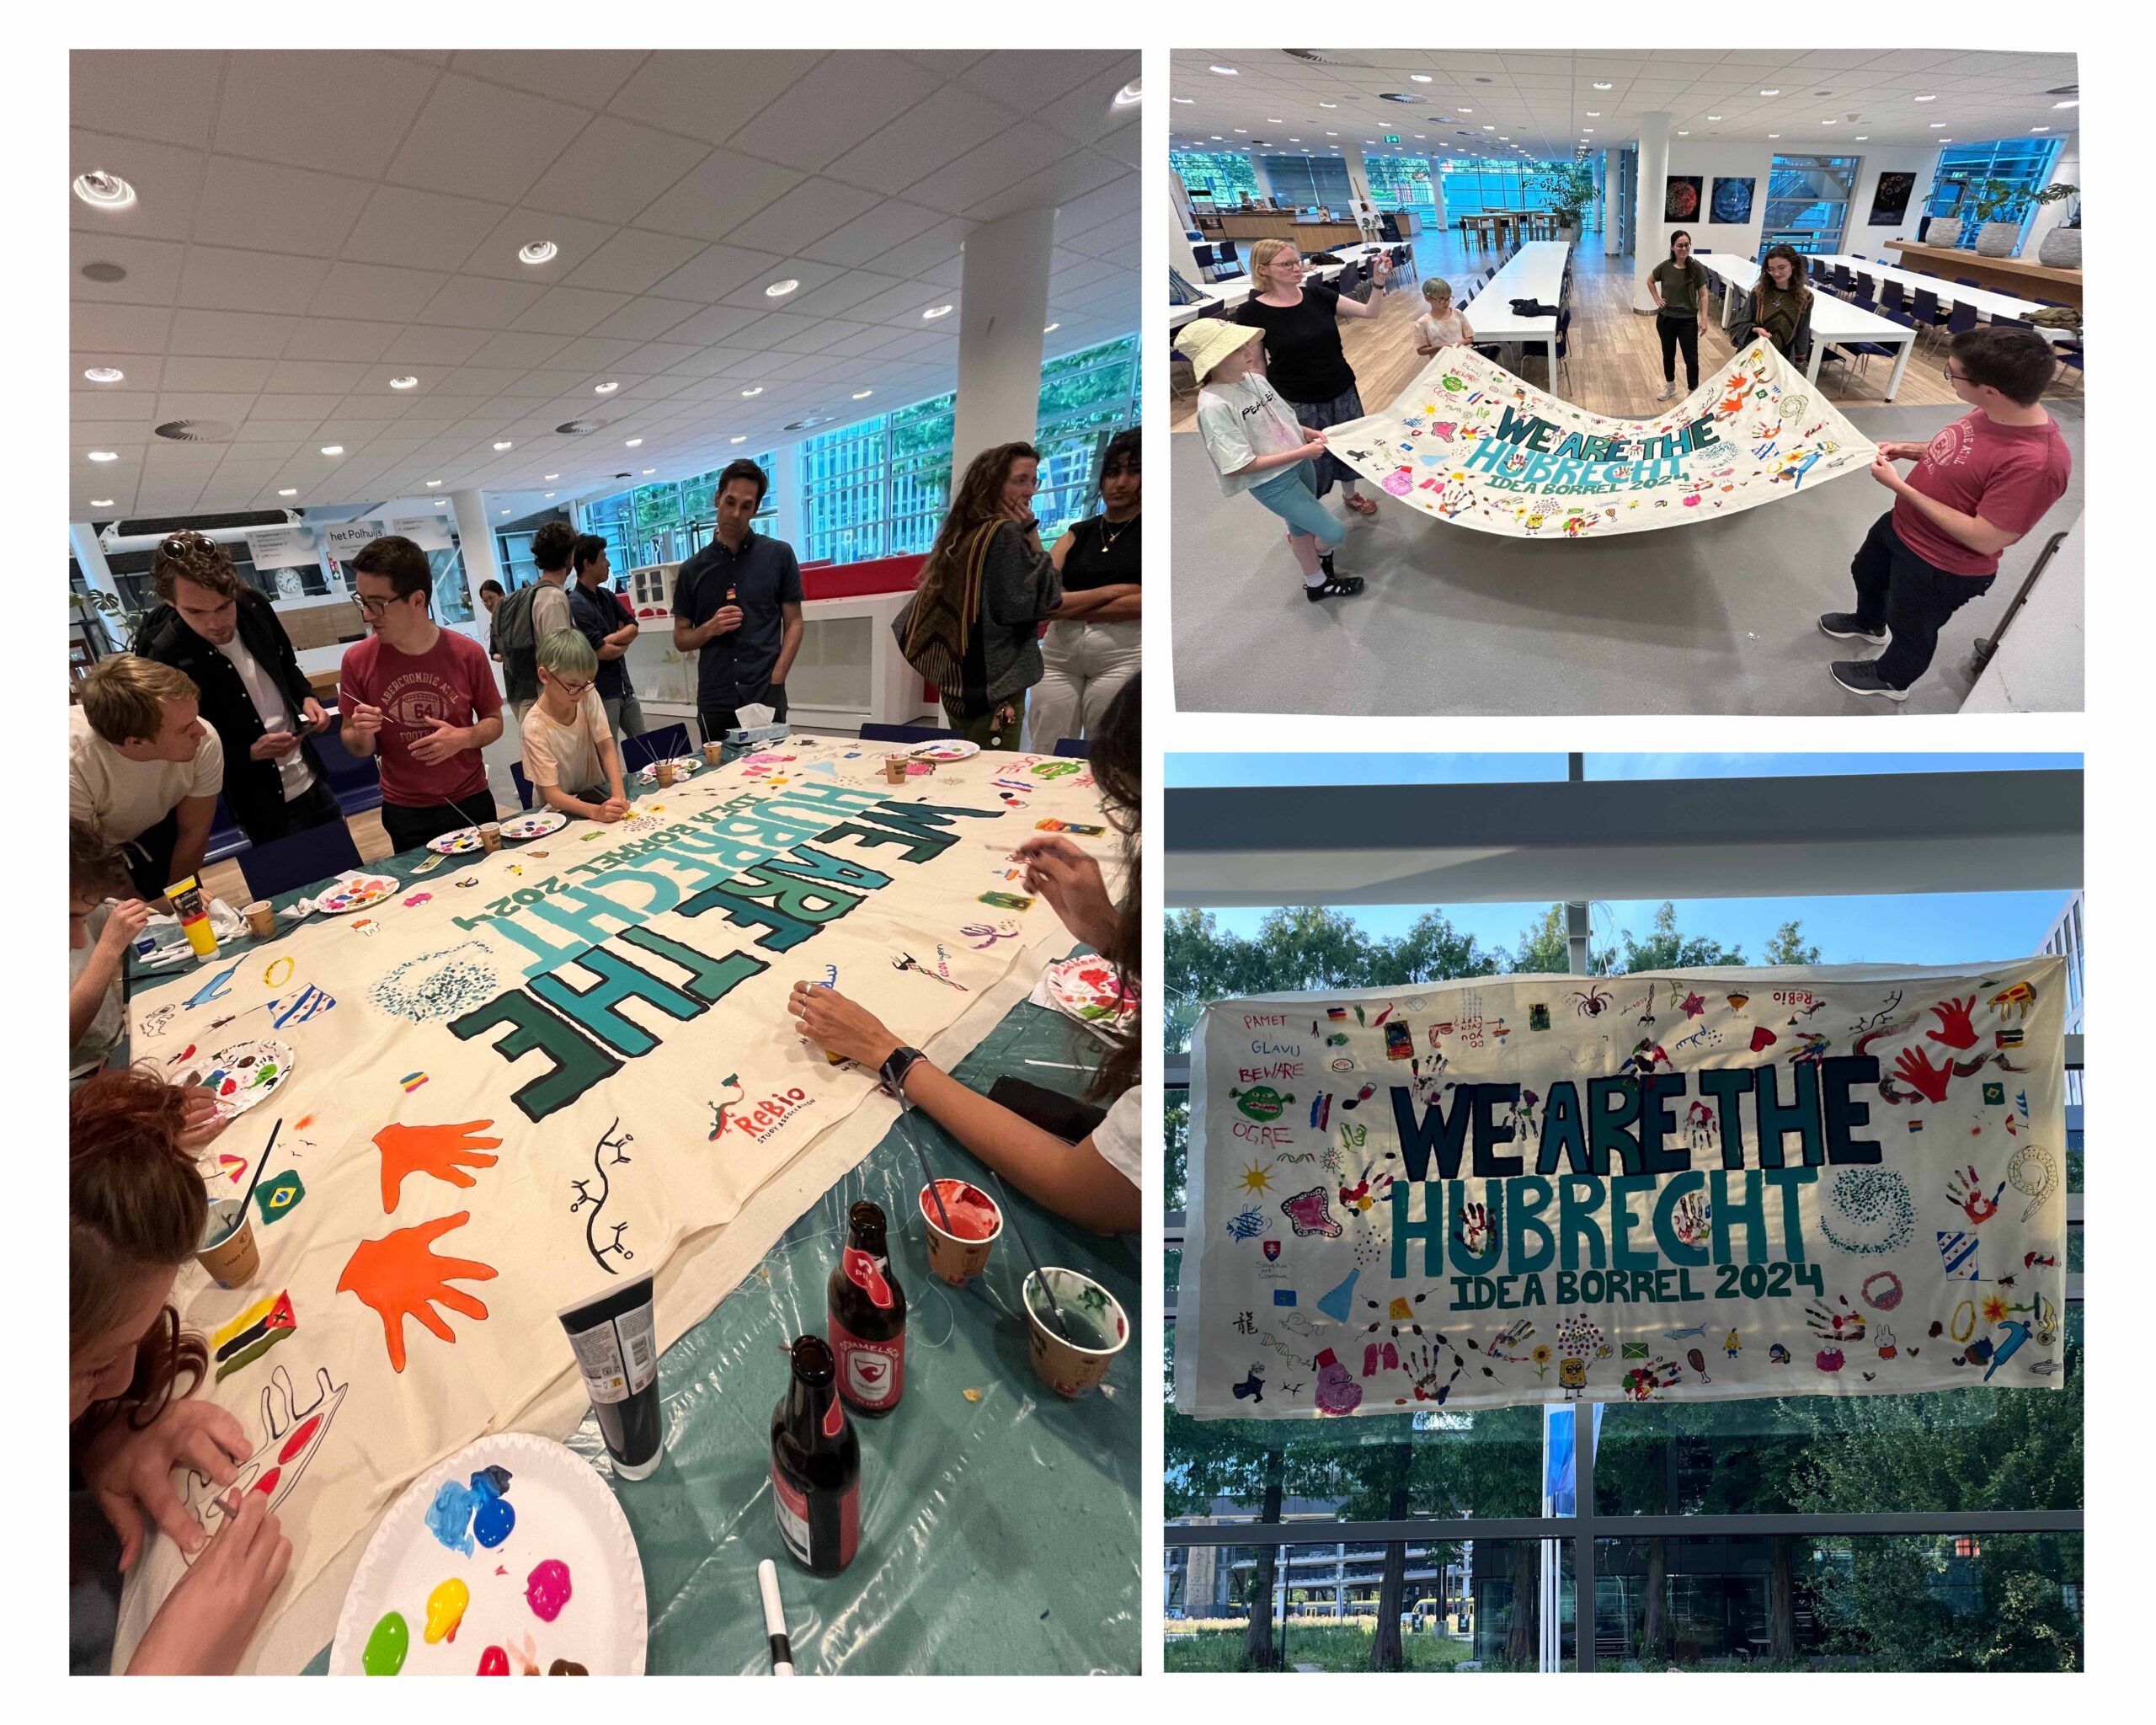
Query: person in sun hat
x=1258 y=446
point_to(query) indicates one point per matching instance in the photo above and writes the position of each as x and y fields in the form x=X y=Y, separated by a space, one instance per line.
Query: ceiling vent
x=103 y=272
x=1394 y=96
x=582 y=428
x=2063 y=90
x=195 y=431
x=1311 y=57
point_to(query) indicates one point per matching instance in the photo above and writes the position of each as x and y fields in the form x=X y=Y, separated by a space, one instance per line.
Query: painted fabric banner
x=1468 y=441
x=519 y=1076
x=1681 y=1186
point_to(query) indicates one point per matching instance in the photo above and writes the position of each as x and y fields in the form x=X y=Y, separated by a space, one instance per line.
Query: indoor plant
x=1568 y=190
x=2061 y=248
x=2002 y=205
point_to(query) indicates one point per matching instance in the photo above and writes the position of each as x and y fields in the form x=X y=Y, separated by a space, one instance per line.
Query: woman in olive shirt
x=1781 y=304
x=1680 y=287
x=1303 y=357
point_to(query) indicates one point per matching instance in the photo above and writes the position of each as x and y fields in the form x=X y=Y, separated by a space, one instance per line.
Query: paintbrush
x=264 y=1162
x=1040 y=1275
x=934 y=1190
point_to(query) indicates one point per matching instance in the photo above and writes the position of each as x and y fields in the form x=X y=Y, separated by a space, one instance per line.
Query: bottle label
x=617 y=1357
x=868 y=1274
x=792 y=1508
x=871 y=1373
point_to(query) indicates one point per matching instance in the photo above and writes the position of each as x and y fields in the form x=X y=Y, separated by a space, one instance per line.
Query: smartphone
x=1061 y=1116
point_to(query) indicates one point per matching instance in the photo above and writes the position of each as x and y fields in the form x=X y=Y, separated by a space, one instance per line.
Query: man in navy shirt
x=737 y=604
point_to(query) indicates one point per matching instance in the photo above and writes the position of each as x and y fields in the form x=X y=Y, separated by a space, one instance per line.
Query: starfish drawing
x=1692 y=1006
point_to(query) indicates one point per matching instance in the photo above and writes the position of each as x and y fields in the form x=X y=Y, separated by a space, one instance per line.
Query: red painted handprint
x=1967 y=1191
x=443 y=1151
x=1914 y=1067
x=1955 y=1030
x=1694 y=1219
x=399 y=1276
x=1474 y=1229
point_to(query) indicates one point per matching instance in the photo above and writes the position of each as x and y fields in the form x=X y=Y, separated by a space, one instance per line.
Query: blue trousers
x=1292 y=494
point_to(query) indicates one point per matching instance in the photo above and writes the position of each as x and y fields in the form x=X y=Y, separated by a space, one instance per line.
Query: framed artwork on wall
x=1680 y=198
x=1731 y=201
x=1889 y=200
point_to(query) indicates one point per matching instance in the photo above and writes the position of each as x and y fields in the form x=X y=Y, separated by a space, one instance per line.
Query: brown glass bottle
x=815 y=1465
x=867 y=1320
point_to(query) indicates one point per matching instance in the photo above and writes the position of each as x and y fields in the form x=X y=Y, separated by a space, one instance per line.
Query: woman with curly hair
x=1093 y=1183
x=136 y=1210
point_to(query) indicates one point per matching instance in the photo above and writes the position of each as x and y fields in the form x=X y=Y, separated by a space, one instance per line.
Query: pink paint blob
x=493 y=1662
x=974 y=1214
x=547 y=1589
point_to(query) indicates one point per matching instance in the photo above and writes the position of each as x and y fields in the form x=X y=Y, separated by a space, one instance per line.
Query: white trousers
x=1083 y=665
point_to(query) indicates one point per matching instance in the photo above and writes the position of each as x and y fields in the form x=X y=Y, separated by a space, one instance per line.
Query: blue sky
x=1931 y=928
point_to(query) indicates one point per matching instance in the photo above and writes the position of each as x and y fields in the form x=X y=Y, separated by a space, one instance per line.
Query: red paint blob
x=298 y=1440
x=493 y=1662
x=974 y=1215
x=268 y=1483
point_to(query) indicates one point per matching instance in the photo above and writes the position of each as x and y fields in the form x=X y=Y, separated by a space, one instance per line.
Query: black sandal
x=1334 y=587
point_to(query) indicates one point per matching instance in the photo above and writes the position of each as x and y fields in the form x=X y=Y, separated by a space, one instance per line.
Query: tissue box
x=755 y=735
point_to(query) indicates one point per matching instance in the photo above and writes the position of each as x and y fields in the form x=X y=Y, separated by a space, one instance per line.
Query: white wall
x=1711 y=161
x=1919 y=159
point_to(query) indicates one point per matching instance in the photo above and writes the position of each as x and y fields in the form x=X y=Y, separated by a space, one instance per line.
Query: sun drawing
x=1256 y=1179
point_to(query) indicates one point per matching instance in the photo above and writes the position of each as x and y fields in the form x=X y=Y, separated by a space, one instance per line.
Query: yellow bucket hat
x=1207 y=341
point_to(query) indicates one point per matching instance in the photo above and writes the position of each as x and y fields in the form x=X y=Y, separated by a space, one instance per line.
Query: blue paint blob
x=491 y=1483
x=494 y=1523
x=450 y=1514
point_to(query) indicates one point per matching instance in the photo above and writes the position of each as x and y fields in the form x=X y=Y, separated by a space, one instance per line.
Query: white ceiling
x=1541 y=99
x=309 y=225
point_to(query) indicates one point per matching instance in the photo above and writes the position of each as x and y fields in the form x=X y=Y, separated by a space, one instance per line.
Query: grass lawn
x=1330 y=1647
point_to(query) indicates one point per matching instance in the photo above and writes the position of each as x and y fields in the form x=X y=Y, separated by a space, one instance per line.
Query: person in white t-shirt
x=228 y=640
x=143 y=771
x=1258 y=446
x=570 y=752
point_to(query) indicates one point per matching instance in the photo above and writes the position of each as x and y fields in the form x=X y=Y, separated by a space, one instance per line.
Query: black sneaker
x=1333 y=587
x=1860 y=677
x=1847 y=626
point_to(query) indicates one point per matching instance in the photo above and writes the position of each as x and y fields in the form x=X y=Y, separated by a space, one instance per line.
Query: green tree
x=1667 y=949
x=1789 y=946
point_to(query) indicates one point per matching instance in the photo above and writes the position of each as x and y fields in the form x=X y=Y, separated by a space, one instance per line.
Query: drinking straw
x=1040 y=1275
x=263 y=1163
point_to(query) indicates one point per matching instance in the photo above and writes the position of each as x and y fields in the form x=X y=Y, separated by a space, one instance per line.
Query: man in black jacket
x=228 y=637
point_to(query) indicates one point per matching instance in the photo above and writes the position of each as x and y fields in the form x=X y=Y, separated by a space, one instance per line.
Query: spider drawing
x=1591 y=1002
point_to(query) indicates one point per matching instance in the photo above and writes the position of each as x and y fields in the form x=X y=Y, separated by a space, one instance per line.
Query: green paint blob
x=387 y=1646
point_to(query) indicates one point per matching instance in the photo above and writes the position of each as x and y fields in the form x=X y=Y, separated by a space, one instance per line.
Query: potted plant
x=2061 y=248
x=2002 y=205
x=1568 y=190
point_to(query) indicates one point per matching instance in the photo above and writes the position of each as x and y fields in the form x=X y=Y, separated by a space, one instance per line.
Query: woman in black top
x=1085 y=660
x=1303 y=357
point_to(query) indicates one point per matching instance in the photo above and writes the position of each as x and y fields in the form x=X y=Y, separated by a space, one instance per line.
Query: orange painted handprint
x=399 y=1276
x=443 y=1151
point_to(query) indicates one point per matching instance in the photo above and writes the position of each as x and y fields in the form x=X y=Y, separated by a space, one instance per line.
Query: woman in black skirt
x=1303 y=357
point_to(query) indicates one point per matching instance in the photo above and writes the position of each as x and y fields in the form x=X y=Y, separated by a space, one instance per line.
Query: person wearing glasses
x=229 y=641
x=420 y=697
x=570 y=752
x=1979 y=485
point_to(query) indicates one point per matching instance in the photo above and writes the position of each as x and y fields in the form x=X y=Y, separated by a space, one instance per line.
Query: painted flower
x=1994 y=1311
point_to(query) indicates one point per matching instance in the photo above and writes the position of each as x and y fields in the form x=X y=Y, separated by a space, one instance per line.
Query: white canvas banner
x=1680 y=1186
x=1469 y=442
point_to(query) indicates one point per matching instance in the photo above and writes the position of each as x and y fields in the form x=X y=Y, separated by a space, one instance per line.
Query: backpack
x=513 y=639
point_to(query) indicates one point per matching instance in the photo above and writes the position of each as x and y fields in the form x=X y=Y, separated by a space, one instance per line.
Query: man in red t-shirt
x=1980 y=484
x=421 y=697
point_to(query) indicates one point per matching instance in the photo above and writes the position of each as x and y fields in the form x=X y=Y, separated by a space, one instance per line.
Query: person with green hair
x=570 y=752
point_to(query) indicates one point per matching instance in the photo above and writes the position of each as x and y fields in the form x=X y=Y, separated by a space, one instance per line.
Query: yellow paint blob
x=445 y=1607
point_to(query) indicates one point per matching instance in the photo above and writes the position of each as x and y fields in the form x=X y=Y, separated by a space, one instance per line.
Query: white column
x=1004 y=304
x=786 y=493
x=475 y=538
x=1649 y=244
x=89 y=557
x=1438 y=222
x=1613 y=196
x=1181 y=225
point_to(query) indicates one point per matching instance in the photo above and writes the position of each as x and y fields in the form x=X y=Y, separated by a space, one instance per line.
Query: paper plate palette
x=560 y=1582
x=242 y=1074
x=536 y=825
x=354 y=893
x=456 y=844
x=944 y=749
x=684 y=765
x=1083 y=988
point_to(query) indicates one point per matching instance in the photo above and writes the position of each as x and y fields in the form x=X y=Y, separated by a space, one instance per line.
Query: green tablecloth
x=997 y=1535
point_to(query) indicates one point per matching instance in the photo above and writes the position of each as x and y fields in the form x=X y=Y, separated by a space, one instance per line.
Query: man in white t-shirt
x=143 y=771
x=227 y=640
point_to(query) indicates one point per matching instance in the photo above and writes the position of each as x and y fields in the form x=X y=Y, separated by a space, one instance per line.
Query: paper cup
x=953 y=1258
x=228 y=1253
x=261 y=919
x=490 y=834
x=894 y=769
x=663 y=771
x=712 y=753
x=1095 y=1322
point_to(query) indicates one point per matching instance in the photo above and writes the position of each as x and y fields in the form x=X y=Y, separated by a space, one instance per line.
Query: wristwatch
x=895 y=1071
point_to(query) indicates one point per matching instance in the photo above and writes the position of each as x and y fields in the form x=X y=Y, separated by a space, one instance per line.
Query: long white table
x=1232 y=293
x=1833 y=320
x=1536 y=271
x=1992 y=304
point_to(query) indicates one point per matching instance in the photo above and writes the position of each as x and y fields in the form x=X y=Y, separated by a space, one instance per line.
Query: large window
x=1808 y=202
x=1302 y=182
x=1399 y=182
x=1225 y=179
x=1086 y=397
x=1473 y=188
x=2018 y=160
x=666 y=522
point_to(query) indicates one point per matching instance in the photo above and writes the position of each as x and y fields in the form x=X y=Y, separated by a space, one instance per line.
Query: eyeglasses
x=568 y=687
x=372 y=607
x=1946 y=370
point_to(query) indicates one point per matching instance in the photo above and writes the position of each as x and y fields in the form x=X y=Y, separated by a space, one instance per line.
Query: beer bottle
x=868 y=1318
x=815 y=1465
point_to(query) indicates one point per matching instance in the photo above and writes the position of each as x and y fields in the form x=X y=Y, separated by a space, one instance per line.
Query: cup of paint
x=618 y=1356
x=227 y=1251
x=895 y=768
x=1094 y=1330
x=714 y=753
x=663 y=771
x=261 y=919
x=959 y=1254
x=490 y=834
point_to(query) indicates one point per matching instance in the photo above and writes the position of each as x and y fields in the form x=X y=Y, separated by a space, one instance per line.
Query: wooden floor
x=1614 y=364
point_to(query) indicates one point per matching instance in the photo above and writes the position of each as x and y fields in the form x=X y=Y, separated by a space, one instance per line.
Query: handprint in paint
x=399 y=1276
x=1966 y=1191
x=1694 y=1219
x=1473 y=1232
x=1955 y=1030
x=1914 y=1067
x=443 y=1151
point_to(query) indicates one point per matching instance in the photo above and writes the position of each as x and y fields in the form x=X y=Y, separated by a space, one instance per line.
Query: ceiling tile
x=419 y=230
x=381 y=291
x=633 y=260
x=479 y=304
x=515 y=351
x=806 y=214
x=218 y=279
x=496 y=254
x=152 y=267
x=587 y=76
x=843 y=100
x=716 y=271
x=229 y=335
x=314 y=376
x=264 y=208
x=988 y=169
x=481 y=140
x=922 y=140
x=166 y=181
x=196 y=404
x=570 y=311
x=154 y=93
x=1032 y=80
x=646 y=318
x=338 y=110
x=613 y=166
x=88 y=405
x=341 y=339
x=592 y=352
x=700 y=93
x=715 y=196
x=230 y=375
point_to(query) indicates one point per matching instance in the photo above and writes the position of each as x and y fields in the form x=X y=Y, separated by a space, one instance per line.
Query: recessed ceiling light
x=505 y=445
x=538 y=252
x=634 y=443
x=1489 y=128
x=758 y=390
x=290 y=491
x=1185 y=100
x=605 y=388
x=434 y=481
x=100 y=502
x=2076 y=102
x=736 y=439
x=1332 y=134
x=404 y=383
x=1774 y=134
x=648 y=470
x=1862 y=137
x=1770 y=92
x=104 y=374
x=2040 y=128
x=1226 y=71
x=1925 y=98
x=1946 y=141
x=1130 y=95
x=551 y=494
x=1594 y=113
x=863 y=394
x=1328 y=104
x=1420 y=77
x=1218 y=139
x=1830 y=122
x=504 y=511
x=106 y=191
x=1467 y=110
x=1714 y=116
x=333 y=449
x=1938 y=126
x=1604 y=86
x=1683 y=134
x=551 y=476
x=779 y=290
x=440 y=503
x=1243 y=131
x=934 y=312
x=1050 y=329
x=1586 y=132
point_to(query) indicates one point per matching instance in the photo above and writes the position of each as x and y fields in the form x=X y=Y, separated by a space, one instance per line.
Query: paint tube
x=617 y=1353
x=190 y=905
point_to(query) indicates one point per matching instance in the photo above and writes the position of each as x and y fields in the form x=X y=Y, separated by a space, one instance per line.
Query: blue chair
x=2011 y=324
x=1230 y=263
x=639 y=752
x=874 y=733
x=1963 y=281
x=298 y=859
x=523 y=784
x=225 y=839
x=354 y=779
x=1961 y=319
x=1843 y=281
x=1890 y=296
x=1076 y=748
x=1925 y=306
